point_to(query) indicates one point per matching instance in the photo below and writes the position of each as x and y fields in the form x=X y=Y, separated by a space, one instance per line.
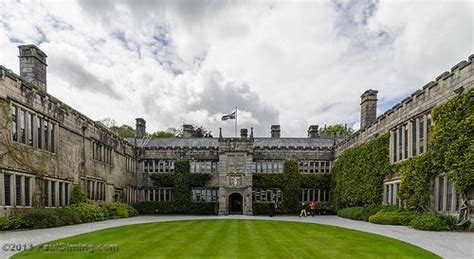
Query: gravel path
x=445 y=244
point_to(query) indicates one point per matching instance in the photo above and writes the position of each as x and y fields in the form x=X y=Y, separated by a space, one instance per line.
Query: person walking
x=312 y=208
x=303 y=210
x=272 y=208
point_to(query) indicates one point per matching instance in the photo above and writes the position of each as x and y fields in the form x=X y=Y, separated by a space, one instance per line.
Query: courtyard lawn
x=234 y=238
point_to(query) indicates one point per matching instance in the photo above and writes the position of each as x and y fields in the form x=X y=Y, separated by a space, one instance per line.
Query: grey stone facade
x=48 y=147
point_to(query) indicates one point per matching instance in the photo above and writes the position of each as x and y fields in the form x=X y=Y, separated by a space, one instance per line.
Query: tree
x=124 y=131
x=162 y=134
x=197 y=132
x=336 y=130
x=108 y=122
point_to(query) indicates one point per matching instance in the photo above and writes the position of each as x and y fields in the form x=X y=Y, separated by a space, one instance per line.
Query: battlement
x=48 y=105
x=449 y=83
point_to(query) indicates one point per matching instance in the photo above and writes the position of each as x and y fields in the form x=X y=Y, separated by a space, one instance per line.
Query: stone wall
x=446 y=85
x=74 y=136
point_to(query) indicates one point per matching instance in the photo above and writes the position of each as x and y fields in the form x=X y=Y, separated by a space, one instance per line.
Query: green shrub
x=78 y=194
x=325 y=208
x=401 y=217
x=429 y=221
x=43 y=218
x=120 y=210
x=89 y=212
x=166 y=207
x=12 y=222
x=449 y=220
x=358 y=213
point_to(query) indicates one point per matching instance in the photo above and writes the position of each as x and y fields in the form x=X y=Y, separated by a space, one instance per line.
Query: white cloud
x=288 y=63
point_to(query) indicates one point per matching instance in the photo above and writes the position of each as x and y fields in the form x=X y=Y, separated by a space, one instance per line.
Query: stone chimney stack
x=313 y=131
x=243 y=133
x=368 y=108
x=140 y=128
x=33 y=65
x=187 y=131
x=275 y=131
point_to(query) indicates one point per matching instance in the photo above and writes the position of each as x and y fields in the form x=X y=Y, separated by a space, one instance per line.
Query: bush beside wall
x=164 y=207
x=358 y=213
x=69 y=215
x=400 y=217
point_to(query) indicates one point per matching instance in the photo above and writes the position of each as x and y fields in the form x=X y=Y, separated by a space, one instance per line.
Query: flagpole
x=235 y=121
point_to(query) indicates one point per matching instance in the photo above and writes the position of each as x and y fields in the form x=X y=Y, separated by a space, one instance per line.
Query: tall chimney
x=313 y=131
x=243 y=133
x=275 y=131
x=33 y=65
x=368 y=108
x=187 y=131
x=140 y=128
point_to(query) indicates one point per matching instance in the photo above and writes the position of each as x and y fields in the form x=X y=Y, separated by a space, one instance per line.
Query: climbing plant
x=290 y=183
x=358 y=174
x=182 y=181
x=416 y=174
x=451 y=140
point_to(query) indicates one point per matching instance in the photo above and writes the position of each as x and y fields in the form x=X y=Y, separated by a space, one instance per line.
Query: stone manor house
x=47 y=147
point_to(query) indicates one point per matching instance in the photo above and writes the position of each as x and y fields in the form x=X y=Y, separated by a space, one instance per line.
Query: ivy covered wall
x=359 y=172
x=290 y=183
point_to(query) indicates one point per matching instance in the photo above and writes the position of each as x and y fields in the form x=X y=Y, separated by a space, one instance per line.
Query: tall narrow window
x=46 y=135
x=66 y=193
x=29 y=127
x=400 y=143
x=46 y=193
x=18 y=189
x=53 y=133
x=39 y=125
x=61 y=194
x=27 y=191
x=14 y=123
x=413 y=138
x=53 y=194
x=405 y=141
x=7 y=189
x=421 y=130
x=21 y=121
x=394 y=145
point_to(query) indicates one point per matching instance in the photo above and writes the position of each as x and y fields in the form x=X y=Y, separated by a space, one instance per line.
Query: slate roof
x=258 y=142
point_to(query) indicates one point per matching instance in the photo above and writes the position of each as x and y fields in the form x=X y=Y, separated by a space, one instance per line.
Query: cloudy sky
x=288 y=63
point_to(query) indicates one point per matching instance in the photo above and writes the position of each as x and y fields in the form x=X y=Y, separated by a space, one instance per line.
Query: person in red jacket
x=312 y=208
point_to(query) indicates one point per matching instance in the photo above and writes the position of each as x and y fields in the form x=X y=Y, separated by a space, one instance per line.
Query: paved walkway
x=445 y=244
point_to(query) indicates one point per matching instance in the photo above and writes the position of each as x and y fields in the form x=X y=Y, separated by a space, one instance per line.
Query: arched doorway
x=235 y=203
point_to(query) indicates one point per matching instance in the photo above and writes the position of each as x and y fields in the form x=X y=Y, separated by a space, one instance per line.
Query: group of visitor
x=312 y=208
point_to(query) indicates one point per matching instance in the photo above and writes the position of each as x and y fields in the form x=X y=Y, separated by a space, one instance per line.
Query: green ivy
x=182 y=181
x=451 y=140
x=359 y=172
x=416 y=174
x=290 y=183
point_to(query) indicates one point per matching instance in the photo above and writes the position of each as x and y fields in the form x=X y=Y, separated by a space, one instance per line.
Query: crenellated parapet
x=449 y=83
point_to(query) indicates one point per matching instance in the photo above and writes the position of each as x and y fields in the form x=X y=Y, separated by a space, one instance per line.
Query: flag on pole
x=229 y=116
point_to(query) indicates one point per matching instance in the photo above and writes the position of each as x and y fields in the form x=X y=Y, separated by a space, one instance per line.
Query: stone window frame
x=131 y=194
x=205 y=194
x=391 y=189
x=33 y=132
x=130 y=164
x=409 y=138
x=102 y=152
x=62 y=196
x=205 y=166
x=445 y=197
x=260 y=195
x=320 y=166
x=268 y=166
x=157 y=194
x=311 y=194
x=96 y=189
x=26 y=192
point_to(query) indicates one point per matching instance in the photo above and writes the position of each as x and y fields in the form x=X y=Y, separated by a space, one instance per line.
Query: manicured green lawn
x=235 y=238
